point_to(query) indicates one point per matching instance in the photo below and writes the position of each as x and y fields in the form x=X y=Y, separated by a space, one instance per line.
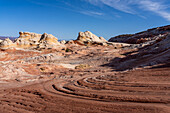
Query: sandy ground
x=53 y=88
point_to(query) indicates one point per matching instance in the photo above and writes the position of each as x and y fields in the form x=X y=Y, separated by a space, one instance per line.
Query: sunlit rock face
x=7 y=43
x=29 y=40
x=88 y=37
x=1 y=40
x=48 y=41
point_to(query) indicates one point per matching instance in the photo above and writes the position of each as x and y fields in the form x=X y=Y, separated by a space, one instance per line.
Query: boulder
x=63 y=42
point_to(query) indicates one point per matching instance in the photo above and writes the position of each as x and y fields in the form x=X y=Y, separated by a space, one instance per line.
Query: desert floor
x=94 y=86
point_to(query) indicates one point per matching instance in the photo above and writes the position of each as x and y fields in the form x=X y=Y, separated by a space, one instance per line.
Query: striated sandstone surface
x=132 y=78
x=148 y=54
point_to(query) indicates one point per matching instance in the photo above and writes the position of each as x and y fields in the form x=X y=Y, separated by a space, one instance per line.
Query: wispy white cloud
x=91 y=13
x=122 y=5
x=68 y=6
x=134 y=6
x=155 y=7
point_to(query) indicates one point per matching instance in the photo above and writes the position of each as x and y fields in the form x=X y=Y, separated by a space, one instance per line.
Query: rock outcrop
x=145 y=36
x=154 y=53
x=7 y=43
x=29 y=40
x=49 y=41
x=87 y=38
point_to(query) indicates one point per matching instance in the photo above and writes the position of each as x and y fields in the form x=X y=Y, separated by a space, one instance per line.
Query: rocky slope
x=149 y=35
x=154 y=53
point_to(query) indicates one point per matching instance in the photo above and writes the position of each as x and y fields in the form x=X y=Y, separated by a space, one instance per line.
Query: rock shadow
x=137 y=59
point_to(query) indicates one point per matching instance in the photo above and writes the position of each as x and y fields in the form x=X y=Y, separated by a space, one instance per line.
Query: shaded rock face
x=154 y=53
x=29 y=40
x=89 y=38
x=145 y=36
x=49 y=41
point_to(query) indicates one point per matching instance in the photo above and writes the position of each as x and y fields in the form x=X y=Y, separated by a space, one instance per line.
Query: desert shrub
x=68 y=50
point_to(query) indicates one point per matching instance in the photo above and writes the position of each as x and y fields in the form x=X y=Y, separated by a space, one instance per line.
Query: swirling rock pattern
x=45 y=87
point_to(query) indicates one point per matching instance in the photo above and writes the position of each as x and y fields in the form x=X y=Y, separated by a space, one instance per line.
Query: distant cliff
x=4 y=37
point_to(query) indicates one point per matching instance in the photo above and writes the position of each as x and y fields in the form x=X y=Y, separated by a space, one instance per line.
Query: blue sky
x=65 y=18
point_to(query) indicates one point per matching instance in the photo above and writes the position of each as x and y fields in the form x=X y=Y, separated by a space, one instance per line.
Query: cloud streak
x=156 y=7
x=91 y=13
x=122 y=5
x=135 y=6
x=67 y=5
